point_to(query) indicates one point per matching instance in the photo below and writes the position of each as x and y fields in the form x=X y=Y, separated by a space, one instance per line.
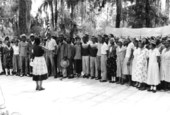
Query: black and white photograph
x=84 y=57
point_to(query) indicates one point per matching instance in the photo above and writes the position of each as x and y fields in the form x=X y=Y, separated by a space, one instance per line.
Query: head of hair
x=7 y=38
x=77 y=38
x=37 y=41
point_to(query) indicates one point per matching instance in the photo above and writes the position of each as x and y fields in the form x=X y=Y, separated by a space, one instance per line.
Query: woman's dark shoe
x=149 y=90
x=154 y=91
x=97 y=78
x=103 y=81
x=37 y=88
x=41 y=89
x=112 y=81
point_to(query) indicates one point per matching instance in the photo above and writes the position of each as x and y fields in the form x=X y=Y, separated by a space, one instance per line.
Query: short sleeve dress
x=153 y=68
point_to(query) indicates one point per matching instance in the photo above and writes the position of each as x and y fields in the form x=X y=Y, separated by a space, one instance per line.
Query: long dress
x=111 y=63
x=120 y=52
x=140 y=71
x=134 y=65
x=8 y=54
x=153 y=68
x=165 y=65
x=127 y=69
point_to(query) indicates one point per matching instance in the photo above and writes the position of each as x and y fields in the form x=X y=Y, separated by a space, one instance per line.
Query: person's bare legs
x=37 y=85
x=40 y=86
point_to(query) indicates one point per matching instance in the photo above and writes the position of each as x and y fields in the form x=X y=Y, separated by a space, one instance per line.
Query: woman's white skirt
x=39 y=69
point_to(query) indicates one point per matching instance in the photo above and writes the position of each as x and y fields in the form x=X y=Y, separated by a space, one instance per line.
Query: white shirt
x=51 y=44
x=99 y=45
x=129 y=50
x=104 y=49
x=15 y=49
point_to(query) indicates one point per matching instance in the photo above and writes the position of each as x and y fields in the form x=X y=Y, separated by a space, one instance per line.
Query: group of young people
x=142 y=63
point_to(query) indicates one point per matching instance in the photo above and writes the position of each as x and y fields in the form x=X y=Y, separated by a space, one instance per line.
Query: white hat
x=23 y=35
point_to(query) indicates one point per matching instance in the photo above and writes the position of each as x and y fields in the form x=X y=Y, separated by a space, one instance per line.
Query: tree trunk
x=56 y=14
x=119 y=11
x=72 y=18
x=22 y=17
x=147 y=19
x=52 y=14
x=167 y=8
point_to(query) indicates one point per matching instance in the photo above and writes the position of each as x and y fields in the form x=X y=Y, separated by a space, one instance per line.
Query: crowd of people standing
x=142 y=63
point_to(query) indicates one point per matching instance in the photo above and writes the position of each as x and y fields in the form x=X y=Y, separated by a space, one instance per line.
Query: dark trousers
x=24 y=64
x=70 y=68
x=50 y=63
x=78 y=65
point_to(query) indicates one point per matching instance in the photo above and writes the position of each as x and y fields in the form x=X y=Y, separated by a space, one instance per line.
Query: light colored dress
x=120 y=52
x=135 y=57
x=140 y=69
x=153 y=68
x=165 y=65
x=127 y=69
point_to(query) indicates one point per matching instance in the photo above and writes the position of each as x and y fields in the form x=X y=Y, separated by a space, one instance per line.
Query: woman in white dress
x=140 y=70
x=135 y=57
x=153 y=78
x=165 y=65
x=120 y=52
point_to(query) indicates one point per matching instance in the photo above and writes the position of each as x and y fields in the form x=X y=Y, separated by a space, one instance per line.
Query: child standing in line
x=64 y=64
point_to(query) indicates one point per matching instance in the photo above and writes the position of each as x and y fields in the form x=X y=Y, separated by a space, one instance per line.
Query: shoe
x=103 y=80
x=111 y=81
x=37 y=88
x=154 y=91
x=92 y=77
x=21 y=76
x=97 y=78
x=41 y=89
x=118 y=82
x=149 y=90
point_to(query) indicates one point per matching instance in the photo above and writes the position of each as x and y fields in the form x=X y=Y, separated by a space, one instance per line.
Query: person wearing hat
x=99 y=44
x=51 y=47
x=78 y=57
x=111 y=62
x=62 y=52
x=16 y=57
x=85 y=57
x=23 y=54
x=165 y=68
x=8 y=54
x=93 y=59
x=139 y=74
x=70 y=55
x=153 y=77
x=127 y=64
x=120 y=52
x=104 y=54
